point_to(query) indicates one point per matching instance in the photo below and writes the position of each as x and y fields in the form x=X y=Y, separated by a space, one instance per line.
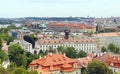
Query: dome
x=42 y=26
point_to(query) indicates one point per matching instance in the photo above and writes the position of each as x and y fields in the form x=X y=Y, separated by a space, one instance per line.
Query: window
x=76 y=72
x=51 y=67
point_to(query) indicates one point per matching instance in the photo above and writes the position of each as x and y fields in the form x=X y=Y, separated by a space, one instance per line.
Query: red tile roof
x=56 y=61
x=71 y=25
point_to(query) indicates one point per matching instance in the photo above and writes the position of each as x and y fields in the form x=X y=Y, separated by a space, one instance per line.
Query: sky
x=59 y=8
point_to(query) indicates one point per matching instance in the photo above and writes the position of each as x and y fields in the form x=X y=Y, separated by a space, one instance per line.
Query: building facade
x=86 y=44
x=104 y=39
x=24 y=44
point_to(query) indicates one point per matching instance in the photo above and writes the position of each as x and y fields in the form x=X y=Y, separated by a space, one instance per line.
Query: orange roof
x=112 y=34
x=53 y=60
x=71 y=25
x=56 y=61
x=66 y=65
x=115 y=60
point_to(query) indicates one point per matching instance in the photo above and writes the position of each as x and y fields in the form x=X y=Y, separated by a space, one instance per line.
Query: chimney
x=64 y=55
x=40 y=57
x=50 y=54
x=114 y=58
x=118 y=58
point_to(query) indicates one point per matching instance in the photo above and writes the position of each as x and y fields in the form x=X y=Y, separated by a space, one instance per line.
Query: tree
x=3 y=71
x=6 y=37
x=30 y=57
x=71 y=52
x=33 y=37
x=19 y=70
x=16 y=54
x=12 y=26
x=61 y=49
x=104 y=49
x=0 y=44
x=32 y=72
x=114 y=48
x=81 y=54
x=111 y=47
x=97 y=67
x=11 y=67
x=3 y=56
x=21 y=60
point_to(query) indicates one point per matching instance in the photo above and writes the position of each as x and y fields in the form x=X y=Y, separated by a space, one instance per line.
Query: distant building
x=104 y=39
x=72 y=27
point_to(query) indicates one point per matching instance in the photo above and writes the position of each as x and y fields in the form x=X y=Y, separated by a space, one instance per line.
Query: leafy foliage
x=104 y=49
x=32 y=72
x=71 y=52
x=6 y=37
x=30 y=57
x=81 y=54
x=114 y=48
x=33 y=37
x=16 y=54
x=97 y=67
x=3 y=56
x=3 y=71
x=19 y=70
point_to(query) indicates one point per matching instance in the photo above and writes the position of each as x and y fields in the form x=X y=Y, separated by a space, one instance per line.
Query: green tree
x=111 y=47
x=61 y=49
x=30 y=57
x=32 y=72
x=6 y=37
x=97 y=67
x=11 y=67
x=104 y=49
x=114 y=48
x=33 y=37
x=71 y=52
x=81 y=54
x=3 y=71
x=16 y=54
x=19 y=70
x=3 y=56
x=4 y=30
x=0 y=44
x=12 y=26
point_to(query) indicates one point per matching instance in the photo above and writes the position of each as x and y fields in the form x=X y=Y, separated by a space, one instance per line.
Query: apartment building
x=88 y=45
x=104 y=39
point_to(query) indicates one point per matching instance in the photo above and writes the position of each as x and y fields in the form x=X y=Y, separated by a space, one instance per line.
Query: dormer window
x=44 y=42
x=51 y=67
x=49 y=42
x=111 y=64
x=75 y=65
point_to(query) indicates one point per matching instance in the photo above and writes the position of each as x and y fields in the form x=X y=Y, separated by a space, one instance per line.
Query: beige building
x=86 y=44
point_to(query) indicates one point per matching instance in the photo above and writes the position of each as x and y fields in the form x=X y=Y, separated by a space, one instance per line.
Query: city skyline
x=61 y=8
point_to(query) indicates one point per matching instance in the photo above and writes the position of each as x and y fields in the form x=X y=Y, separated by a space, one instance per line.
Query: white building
x=104 y=39
x=86 y=44
x=25 y=45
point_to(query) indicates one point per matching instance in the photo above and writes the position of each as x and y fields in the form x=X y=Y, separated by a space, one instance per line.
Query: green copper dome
x=42 y=26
